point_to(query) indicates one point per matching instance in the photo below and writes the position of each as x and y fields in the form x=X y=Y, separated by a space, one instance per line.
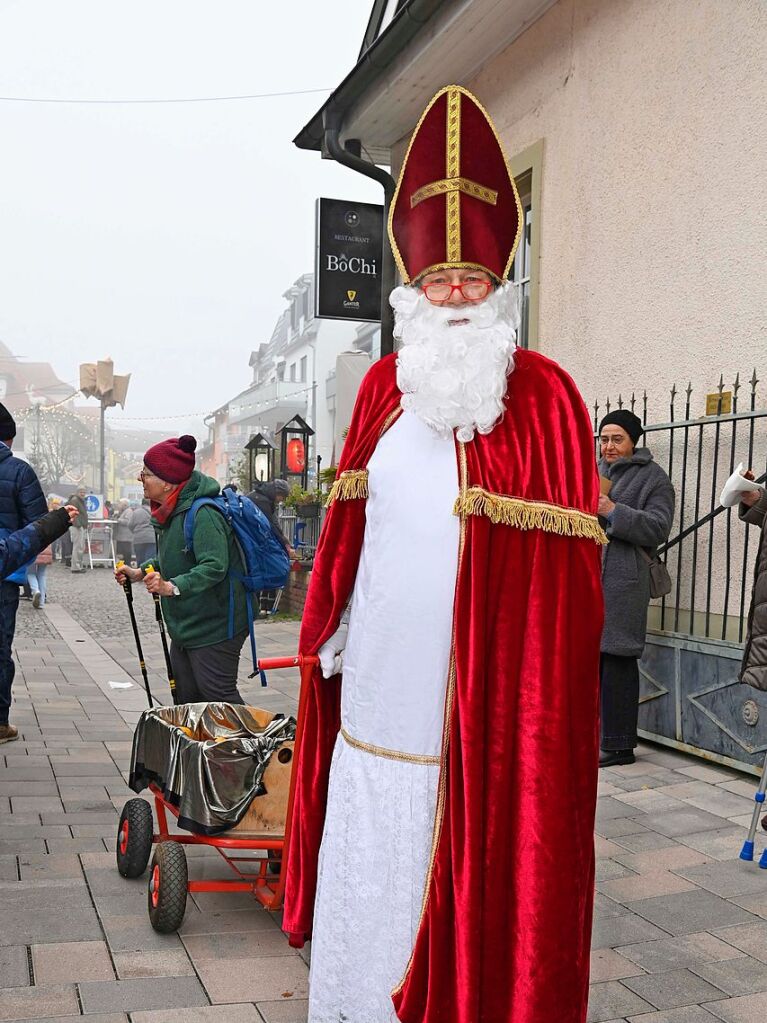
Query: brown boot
x=8 y=733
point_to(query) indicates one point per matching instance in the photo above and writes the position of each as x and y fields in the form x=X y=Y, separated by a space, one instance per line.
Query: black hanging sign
x=348 y=262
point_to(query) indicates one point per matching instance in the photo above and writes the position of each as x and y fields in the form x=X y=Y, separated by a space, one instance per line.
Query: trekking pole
x=164 y=640
x=128 y=588
x=747 y=852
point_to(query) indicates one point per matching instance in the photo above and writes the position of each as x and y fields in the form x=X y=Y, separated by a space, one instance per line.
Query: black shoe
x=615 y=757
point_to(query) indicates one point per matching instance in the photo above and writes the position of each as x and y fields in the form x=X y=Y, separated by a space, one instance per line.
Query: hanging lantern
x=294 y=451
x=296 y=455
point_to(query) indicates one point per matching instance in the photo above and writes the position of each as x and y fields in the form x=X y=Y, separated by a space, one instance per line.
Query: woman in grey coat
x=123 y=537
x=144 y=538
x=637 y=514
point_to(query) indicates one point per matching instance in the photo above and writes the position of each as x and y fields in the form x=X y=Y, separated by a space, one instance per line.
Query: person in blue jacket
x=22 y=502
x=16 y=549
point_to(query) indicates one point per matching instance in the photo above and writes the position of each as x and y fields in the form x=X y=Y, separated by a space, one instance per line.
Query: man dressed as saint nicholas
x=455 y=716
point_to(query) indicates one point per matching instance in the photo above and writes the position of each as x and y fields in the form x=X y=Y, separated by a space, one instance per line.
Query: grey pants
x=207 y=674
x=78 y=547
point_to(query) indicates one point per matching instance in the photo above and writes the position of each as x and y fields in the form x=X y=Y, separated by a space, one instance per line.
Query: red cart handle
x=299 y=661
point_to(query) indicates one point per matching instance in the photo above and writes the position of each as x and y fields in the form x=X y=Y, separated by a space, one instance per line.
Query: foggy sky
x=162 y=235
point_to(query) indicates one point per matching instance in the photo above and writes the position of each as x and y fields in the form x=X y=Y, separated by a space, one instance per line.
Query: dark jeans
x=124 y=550
x=145 y=552
x=207 y=674
x=619 y=688
x=9 y=605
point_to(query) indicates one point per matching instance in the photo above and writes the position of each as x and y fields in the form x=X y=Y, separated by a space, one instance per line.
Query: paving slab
x=745 y=1009
x=170 y=963
x=147 y=993
x=673 y=989
x=728 y=878
x=689 y=950
x=688 y=1014
x=39 y=912
x=645 y=886
x=19 y=1003
x=748 y=938
x=71 y=961
x=14 y=966
x=673 y=823
x=237 y=945
x=294 y=1011
x=719 y=844
x=239 y=1013
x=741 y=976
x=605 y=1000
x=609 y=964
x=255 y=979
x=688 y=912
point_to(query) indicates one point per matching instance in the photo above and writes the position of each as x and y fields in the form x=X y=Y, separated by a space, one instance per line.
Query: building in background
x=631 y=129
x=293 y=373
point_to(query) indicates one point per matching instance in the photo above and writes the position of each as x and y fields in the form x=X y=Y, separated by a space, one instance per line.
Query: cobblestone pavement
x=680 y=931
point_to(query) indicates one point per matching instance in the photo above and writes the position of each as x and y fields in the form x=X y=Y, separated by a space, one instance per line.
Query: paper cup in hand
x=735 y=487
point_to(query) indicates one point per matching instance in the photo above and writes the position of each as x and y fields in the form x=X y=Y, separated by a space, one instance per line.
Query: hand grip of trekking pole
x=126 y=583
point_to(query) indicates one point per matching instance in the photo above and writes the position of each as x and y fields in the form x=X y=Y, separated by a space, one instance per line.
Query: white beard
x=452 y=375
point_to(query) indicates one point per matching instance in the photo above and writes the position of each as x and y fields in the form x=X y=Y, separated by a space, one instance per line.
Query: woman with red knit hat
x=193 y=586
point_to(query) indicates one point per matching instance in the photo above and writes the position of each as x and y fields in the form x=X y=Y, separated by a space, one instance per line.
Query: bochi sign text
x=348 y=266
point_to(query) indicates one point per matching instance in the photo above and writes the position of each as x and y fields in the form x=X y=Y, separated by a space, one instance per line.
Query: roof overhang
x=427 y=43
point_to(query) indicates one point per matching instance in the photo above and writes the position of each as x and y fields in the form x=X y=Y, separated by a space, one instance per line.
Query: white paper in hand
x=735 y=486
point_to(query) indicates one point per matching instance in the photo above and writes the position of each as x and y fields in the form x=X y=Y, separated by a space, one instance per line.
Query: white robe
x=377 y=841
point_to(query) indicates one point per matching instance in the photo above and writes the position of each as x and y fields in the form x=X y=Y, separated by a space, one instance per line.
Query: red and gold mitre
x=456 y=204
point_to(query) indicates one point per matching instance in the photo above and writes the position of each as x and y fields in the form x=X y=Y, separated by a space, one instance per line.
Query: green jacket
x=200 y=615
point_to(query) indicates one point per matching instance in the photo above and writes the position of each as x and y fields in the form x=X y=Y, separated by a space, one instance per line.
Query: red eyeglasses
x=471 y=291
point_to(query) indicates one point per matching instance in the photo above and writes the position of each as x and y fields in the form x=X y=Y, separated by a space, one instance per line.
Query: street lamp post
x=98 y=380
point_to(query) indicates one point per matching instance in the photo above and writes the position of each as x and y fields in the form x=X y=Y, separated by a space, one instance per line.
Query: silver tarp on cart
x=207 y=758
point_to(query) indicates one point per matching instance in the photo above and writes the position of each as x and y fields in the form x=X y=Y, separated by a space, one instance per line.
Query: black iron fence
x=709 y=551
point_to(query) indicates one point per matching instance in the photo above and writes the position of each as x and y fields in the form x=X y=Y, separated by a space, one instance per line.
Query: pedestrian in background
x=37 y=576
x=79 y=529
x=144 y=539
x=753 y=669
x=22 y=503
x=636 y=513
x=123 y=517
x=56 y=548
x=268 y=497
x=194 y=586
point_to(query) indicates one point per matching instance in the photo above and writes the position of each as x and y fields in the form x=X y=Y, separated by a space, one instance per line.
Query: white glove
x=736 y=485
x=331 y=654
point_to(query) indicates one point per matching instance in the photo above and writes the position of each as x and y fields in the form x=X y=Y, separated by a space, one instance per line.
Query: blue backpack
x=265 y=561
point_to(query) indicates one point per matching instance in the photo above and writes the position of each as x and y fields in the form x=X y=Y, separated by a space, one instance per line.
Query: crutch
x=747 y=852
x=128 y=588
x=164 y=640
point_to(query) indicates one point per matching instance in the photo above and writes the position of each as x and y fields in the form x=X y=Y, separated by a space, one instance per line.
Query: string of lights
x=157 y=100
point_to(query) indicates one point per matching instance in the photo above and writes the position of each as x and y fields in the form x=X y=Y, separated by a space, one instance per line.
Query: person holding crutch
x=194 y=588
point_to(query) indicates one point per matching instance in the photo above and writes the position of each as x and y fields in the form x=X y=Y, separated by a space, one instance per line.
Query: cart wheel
x=168 y=882
x=134 y=838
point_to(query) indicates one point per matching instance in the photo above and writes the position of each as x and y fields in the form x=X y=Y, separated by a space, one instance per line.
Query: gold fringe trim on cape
x=513 y=511
x=350 y=486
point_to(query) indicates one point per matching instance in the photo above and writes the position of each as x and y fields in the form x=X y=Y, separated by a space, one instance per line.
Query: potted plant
x=306 y=502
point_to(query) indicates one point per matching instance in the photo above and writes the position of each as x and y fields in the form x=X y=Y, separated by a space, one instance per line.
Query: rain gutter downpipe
x=332 y=120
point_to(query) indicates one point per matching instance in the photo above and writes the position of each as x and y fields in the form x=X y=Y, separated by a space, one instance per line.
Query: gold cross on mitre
x=453 y=183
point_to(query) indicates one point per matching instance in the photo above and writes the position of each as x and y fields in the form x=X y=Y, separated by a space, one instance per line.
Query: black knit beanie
x=7 y=424
x=626 y=420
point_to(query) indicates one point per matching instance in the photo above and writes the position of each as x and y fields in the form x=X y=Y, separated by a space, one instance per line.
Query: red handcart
x=169 y=880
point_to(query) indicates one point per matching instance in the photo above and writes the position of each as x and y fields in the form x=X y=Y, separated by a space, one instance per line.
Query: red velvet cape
x=505 y=932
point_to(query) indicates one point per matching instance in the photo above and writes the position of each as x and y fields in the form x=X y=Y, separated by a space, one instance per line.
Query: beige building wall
x=653 y=212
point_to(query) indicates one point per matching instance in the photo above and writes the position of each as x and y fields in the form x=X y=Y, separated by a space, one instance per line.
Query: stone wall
x=294 y=594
